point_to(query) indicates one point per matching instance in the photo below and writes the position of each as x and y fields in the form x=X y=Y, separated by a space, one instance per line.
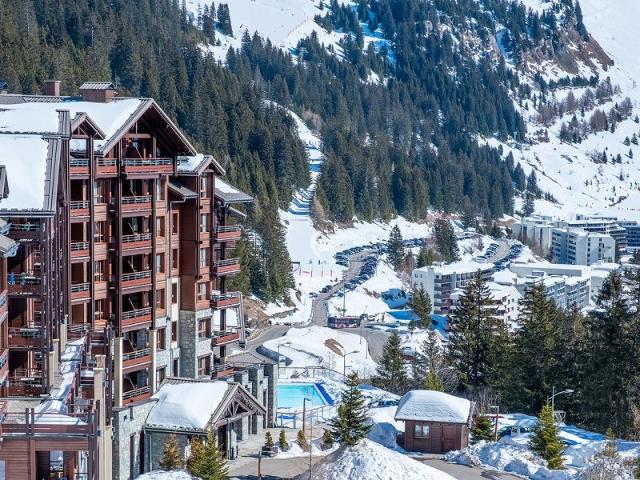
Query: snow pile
x=322 y=346
x=604 y=469
x=385 y=427
x=429 y=405
x=186 y=405
x=162 y=475
x=509 y=458
x=295 y=450
x=370 y=461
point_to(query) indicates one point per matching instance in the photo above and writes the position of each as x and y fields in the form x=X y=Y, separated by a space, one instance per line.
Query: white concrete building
x=506 y=298
x=578 y=247
x=536 y=229
x=441 y=280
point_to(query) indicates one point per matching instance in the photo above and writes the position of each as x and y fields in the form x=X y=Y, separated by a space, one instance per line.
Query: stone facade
x=127 y=434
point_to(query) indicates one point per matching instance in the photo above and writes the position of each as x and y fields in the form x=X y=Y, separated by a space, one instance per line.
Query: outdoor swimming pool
x=292 y=395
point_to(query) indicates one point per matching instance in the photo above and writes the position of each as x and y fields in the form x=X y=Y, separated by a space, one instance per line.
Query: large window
x=202 y=291
x=161 y=339
x=204 y=257
x=421 y=430
x=161 y=373
x=204 y=366
x=204 y=328
x=204 y=222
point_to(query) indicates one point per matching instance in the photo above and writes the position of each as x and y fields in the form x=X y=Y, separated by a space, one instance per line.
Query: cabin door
x=448 y=438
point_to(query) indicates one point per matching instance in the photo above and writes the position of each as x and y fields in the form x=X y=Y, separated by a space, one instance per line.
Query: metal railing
x=217 y=297
x=79 y=162
x=79 y=204
x=226 y=262
x=136 y=199
x=136 y=392
x=143 y=352
x=126 y=277
x=80 y=287
x=228 y=228
x=140 y=312
x=136 y=237
x=76 y=246
x=146 y=162
x=23 y=279
x=106 y=162
x=25 y=227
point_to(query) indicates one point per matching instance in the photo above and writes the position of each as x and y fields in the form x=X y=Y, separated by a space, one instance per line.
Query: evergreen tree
x=391 y=374
x=268 y=440
x=534 y=364
x=482 y=429
x=349 y=426
x=196 y=455
x=210 y=463
x=224 y=19
x=545 y=441
x=446 y=240
x=425 y=257
x=327 y=439
x=476 y=337
x=282 y=440
x=433 y=382
x=395 y=248
x=302 y=441
x=431 y=377
x=421 y=306
x=610 y=449
x=171 y=459
x=529 y=204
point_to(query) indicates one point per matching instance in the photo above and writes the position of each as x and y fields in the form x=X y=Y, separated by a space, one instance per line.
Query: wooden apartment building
x=113 y=271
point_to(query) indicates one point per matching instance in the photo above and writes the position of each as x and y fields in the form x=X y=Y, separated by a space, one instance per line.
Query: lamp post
x=304 y=411
x=344 y=362
x=553 y=396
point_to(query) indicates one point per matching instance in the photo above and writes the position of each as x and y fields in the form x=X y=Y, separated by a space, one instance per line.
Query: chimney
x=4 y=87
x=100 y=92
x=52 y=88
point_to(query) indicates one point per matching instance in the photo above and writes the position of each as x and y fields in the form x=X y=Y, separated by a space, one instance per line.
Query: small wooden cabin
x=435 y=422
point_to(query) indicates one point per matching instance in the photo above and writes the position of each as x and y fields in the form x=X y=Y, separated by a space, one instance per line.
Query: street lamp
x=304 y=411
x=344 y=361
x=553 y=396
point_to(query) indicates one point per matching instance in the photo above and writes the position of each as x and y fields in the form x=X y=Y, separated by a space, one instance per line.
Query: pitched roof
x=179 y=189
x=229 y=194
x=97 y=86
x=196 y=164
x=432 y=406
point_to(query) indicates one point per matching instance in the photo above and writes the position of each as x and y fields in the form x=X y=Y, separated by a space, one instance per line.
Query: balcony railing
x=136 y=394
x=147 y=165
x=79 y=204
x=137 y=240
x=136 y=202
x=80 y=290
x=228 y=266
x=225 y=300
x=23 y=284
x=26 y=231
x=224 y=337
x=136 y=318
x=106 y=166
x=79 y=249
x=79 y=166
x=143 y=352
x=135 y=279
x=229 y=233
x=26 y=337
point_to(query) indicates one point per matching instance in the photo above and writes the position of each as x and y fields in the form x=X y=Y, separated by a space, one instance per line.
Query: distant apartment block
x=579 y=247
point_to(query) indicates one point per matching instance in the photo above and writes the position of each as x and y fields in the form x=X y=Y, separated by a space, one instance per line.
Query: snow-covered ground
x=322 y=346
x=371 y=461
x=162 y=475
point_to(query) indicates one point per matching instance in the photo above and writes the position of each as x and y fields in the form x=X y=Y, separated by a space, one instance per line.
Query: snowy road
x=463 y=472
x=503 y=250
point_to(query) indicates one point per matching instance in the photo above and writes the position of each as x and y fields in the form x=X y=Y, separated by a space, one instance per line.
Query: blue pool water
x=292 y=395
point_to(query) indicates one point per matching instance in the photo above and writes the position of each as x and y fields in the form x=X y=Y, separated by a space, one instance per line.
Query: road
x=503 y=250
x=463 y=472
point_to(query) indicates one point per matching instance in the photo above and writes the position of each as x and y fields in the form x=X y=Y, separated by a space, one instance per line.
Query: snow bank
x=385 y=427
x=370 y=461
x=295 y=450
x=322 y=346
x=162 y=475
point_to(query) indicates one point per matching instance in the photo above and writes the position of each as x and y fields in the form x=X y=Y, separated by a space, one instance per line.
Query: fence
x=293 y=419
x=311 y=372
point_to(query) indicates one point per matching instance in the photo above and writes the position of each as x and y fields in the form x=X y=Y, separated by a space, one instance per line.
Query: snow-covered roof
x=25 y=161
x=188 y=405
x=432 y=406
x=457 y=268
x=230 y=194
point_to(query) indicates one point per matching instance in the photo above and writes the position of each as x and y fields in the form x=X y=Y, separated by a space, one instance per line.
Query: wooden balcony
x=25 y=231
x=79 y=208
x=26 y=337
x=80 y=291
x=147 y=166
x=22 y=386
x=136 y=360
x=220 y=301
x=136 y=279
x=136 y=241
x=136 y=203
x=106 y=166
x=79 y=250
x=78 y=166
x=72 y=434
x=231 y=233
x=136 y=319
x=229 y=266
x=23 y=284
x=136 y=395
x=223 y=338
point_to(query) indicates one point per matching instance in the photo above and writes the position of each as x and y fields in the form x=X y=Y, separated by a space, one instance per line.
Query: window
x=204 y=328
x=204 y=222
x=160 y=226
x=160 y=299
x=204 y=366
x=202 y=291
x=161 y=373
x=176 y=369
x=174 y=294
x=421 y=430
x=174 y=258
x=204 y=257
x=161 y=339
x=175 y=227
x=160 y=262
x=159 y=190
x=203 y=187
